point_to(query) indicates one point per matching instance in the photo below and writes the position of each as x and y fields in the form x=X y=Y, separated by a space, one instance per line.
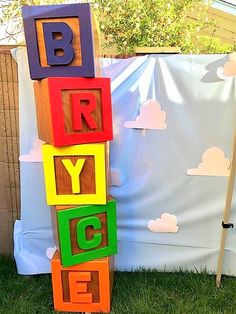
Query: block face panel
x=75 y=174
x=82 y=288
x=51 y=51
x=74 y=24
x=80 y=110
x=87 y=232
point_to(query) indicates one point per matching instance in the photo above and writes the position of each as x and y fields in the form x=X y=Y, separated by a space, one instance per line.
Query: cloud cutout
x=167 y=223
x=50 y=252
x=35 y=154
x=151 y=117
x=115 y=177
x=229 y=68
x=214 y=163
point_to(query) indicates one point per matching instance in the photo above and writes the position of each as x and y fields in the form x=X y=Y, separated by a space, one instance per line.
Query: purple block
x=59 y=65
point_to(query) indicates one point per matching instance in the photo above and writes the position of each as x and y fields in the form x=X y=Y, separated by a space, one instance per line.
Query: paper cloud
x=151 y=117
x=35 y=154
x=229 y=68
x=167 y=223
x=50 y=252
x=115 y=177
x=214 y=163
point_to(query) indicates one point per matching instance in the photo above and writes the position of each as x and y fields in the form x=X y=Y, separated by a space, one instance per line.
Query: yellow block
x=75 y=175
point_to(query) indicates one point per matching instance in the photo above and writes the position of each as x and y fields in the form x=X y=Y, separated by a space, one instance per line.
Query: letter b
x=53 y=45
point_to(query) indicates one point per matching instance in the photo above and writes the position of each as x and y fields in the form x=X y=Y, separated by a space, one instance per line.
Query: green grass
x=147 y=292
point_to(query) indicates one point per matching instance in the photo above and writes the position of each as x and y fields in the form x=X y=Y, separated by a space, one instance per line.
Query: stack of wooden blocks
x=74 y=118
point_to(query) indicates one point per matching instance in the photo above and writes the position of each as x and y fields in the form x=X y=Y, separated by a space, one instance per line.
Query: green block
x=87 y=232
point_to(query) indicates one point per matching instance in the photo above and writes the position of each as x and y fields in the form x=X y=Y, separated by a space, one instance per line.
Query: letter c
x=82 y=240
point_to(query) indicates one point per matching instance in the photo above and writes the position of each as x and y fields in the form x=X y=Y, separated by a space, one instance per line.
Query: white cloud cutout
x=50 y=252
x=151 y=117
x=167 y=223
x=214 y=163
x=35 y=154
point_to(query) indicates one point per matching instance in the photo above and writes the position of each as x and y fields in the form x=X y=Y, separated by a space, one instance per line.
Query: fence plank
x=9 y=152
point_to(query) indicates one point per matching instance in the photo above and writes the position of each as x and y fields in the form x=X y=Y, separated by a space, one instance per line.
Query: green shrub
x=157 y=23
x=207 y=44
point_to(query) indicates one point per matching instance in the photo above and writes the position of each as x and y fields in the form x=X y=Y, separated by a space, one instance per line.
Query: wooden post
x=228 y=201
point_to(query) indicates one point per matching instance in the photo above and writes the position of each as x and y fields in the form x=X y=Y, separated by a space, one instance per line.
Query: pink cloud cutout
x=229 y=68
x=115 y=177
x=35 y=154
x=214 y=163
x=151 y=117
x=167 y=223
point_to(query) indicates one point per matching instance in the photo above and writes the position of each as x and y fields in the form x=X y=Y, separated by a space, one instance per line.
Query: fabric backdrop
x=149 y=166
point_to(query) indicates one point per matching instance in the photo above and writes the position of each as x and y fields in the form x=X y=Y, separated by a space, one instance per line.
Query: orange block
x=84 y=287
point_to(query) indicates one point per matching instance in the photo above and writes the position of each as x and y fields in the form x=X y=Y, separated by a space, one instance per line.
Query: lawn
x=146 y=292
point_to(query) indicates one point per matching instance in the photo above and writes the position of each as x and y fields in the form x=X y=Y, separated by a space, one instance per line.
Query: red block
x=73 y=110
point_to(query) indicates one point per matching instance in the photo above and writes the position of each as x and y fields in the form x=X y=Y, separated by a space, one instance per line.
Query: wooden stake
x=228 y=201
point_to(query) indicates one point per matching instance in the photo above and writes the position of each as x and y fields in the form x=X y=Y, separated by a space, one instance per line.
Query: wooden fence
x=9 y=149
x=225 y=28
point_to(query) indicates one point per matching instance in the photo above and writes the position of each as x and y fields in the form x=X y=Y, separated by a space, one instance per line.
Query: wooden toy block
x=73 y=110
x=75 y=175
x=85 y=287
x=59 y=40
x=84 y=233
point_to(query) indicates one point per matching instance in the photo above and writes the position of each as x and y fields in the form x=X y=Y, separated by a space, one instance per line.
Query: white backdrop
x=149 y=166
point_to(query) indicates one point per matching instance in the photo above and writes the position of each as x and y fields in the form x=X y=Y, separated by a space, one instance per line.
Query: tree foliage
x=127 y=24
x=156 y=23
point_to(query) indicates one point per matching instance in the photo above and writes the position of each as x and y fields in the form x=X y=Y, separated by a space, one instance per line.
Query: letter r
x=53 y=44
x=78 y=110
